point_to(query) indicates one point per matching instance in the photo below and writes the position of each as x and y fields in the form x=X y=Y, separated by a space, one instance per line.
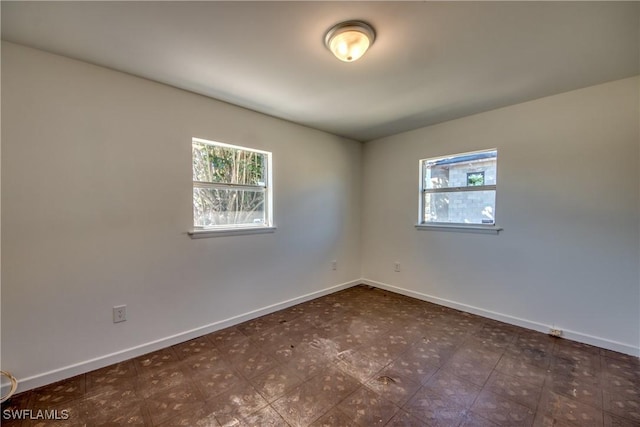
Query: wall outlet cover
x=119 y=313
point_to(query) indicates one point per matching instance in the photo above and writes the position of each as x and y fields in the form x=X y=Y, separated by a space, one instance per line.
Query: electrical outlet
x=555 y=332
x=119 y=313
x=334 y=265
x=396 y=266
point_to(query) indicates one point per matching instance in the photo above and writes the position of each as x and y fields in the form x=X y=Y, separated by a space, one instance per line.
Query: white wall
x=568 y=177
x=96 y=203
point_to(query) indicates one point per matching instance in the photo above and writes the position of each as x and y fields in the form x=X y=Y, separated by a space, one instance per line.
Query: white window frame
x=454 y=226
x=237 y=229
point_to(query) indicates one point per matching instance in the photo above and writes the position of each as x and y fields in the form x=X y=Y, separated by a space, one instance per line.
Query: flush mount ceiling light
x=349 y=40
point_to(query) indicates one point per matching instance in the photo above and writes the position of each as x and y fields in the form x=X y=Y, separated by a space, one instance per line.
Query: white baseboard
x=45 y=378
x=529 y=324
x=50 y=377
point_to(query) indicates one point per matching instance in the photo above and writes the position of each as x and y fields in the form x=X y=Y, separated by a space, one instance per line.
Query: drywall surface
x=96 y=205
x=568 y=174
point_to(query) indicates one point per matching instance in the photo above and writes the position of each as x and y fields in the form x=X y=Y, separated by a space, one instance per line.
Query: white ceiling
x=431 y=61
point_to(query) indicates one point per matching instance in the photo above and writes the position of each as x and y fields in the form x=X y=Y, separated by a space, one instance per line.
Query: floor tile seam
x=178 y=366
x=241 y=417
x=221 y=348
x=286 y=390
x=561 y=365
x=298 y=425
x=609 y=371
x=393 y=359
x=61 y=406
x=270 y=400
x=481 y=387
x=199 y=352
x=429 y=365
x=147 y=406
x=236 y=371
x=421 y=341
x=419 y=385
x=135 y=365
x=380 y=397
x=613 y=397
x=556 y=360
x=320 y=372
x=83 y=380
x=480 y=335
x=615 y=393
x=346 y=397
x=495 y=371
x=249 y=336
x=619 y=416
x=388 y=423
x=481 y=417
x=477 y=362
x=396 y=358
x=534 y=409
x=630 y=373
x=154 y=396
x=541 y=409
x=141 y=404
x=567 y=378
x=210 y=353
x=541 y=394
x=208 y=398
x=422 y=385
x=628 y=383
x=351 y=350
x=257 y=410
x=179 y=414
x=412 y=343
x=524 y=362
x=239 y=361
x=574 y=398
x=32 y=403
x=336 y=406
x=558 y=352
x=453 y=402
x=286 y=423
x=192 y=382
x=348 y=373
x=197 y=374
x=446 y=368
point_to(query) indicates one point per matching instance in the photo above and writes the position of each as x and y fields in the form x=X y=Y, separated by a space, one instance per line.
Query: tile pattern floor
x=359 y=357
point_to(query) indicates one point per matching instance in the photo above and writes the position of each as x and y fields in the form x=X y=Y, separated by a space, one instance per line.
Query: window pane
x=212 y=206
x=461 y=171
x=226 y=165
x=466 y=207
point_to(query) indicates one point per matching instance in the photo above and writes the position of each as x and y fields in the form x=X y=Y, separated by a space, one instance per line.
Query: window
x=231 y=186
x=475 y=178
x=459 y=189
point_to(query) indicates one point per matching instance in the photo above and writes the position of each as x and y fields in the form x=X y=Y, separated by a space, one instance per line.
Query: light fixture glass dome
x=349 y=40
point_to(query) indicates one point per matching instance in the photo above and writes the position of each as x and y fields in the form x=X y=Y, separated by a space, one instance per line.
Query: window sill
x=221 y=232
x=481 y=229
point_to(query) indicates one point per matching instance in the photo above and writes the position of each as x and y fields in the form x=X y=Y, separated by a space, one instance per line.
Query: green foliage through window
x=229 y=185
x=475 y=178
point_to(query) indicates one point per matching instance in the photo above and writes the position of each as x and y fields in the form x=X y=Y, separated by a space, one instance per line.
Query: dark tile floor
x=360 y=357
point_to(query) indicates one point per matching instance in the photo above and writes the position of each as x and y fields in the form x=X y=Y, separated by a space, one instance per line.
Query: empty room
x=320 y=213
